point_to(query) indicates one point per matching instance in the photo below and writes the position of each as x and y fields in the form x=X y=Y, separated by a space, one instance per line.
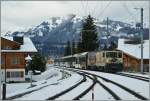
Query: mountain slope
x=50 y=36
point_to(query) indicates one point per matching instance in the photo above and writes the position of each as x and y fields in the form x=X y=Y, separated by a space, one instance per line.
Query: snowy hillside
x=51 y=35
x=69 y=25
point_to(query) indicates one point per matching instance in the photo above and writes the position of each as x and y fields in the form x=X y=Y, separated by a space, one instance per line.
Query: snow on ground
x=46 y=75
x=17 y=88
x=51 y=73
x=55 y=80
x=50 y=66
x=138 y=86
x=99 y=94
x=136 y=74
x=76 y=91
x=49 y=91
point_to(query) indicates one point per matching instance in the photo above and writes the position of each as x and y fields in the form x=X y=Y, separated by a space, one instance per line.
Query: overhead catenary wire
x=95 y=7
x=133 y=17
x=145 y=7
x=87 y=8
x=101 y=13
x=84 y=13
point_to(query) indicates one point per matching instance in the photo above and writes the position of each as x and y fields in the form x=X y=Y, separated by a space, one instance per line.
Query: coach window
x=119 y=55
x=103 y=54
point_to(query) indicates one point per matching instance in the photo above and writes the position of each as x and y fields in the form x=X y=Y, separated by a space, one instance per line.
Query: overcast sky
x=18 y=15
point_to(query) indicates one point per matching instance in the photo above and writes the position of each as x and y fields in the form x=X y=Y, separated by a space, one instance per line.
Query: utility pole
x=5 y=81
x=71 y=53
x=141 y=40
x=141 y=35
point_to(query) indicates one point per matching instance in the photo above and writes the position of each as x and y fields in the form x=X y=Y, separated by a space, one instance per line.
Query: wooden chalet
x=13 y=52
x=132 y=54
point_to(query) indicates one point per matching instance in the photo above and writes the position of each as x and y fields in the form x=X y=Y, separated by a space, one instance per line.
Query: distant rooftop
x=28 y=46
x=134 y=49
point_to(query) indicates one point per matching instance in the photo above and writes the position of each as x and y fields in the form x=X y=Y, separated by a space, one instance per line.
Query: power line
x=87 y=7
x=100 y=14
x=128 y=11
x=95 y=7
x=83 y=7
x=145 y=7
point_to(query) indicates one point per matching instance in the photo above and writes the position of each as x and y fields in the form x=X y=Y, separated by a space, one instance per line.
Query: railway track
x=88 y=89
x=135 y=77
x=137 y=95
x=52 y=97
x=67 y=90
x=95 y=80
x=25 y=93
x=115 y=96
x=119 y=85
x=146 y=79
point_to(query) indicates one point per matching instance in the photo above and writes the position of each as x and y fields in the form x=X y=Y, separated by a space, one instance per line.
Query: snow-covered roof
x=27 y=46
x=134 y=49
x=80 y=54
x=67 y=57
x=83 y=54
x=75 y=55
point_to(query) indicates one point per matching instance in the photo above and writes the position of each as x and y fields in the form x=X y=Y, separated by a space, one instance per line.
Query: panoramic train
x=107 y=61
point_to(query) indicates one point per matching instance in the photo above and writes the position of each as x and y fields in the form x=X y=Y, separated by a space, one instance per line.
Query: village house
x=14 y=50
x=50 y=60
x=132 y=54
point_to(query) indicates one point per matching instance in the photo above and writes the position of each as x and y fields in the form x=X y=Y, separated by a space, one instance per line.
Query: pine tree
x=79 y=47
x=68 y=49
x=89 y=36
x=38 y=63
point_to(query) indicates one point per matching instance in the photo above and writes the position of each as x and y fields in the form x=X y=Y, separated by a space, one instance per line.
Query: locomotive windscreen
x=111 y=55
